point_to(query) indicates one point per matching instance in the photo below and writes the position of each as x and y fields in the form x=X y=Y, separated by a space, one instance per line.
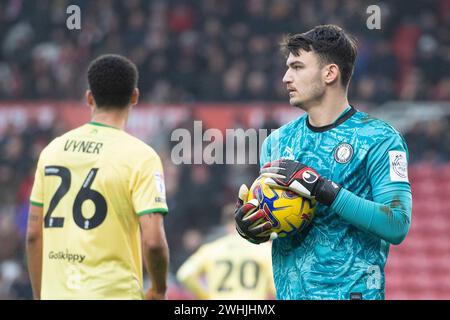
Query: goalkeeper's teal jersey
x=333 y=259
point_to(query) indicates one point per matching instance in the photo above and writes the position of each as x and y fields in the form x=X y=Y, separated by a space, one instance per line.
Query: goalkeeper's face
x=303 y=79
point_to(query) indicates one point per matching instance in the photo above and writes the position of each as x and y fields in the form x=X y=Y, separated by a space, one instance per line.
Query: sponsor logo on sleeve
x=159 y=181
x=398 y=166
x=160 y=200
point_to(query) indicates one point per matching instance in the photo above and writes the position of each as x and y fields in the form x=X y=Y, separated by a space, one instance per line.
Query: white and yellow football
x=288 y=212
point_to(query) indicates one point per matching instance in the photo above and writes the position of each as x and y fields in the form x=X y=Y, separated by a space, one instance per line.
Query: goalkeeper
x=355 y=166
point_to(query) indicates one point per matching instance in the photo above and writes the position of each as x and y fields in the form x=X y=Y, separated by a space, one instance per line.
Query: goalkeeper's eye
x=297 y=66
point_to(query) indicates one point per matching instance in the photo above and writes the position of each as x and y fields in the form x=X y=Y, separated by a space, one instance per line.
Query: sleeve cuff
x=36 y=203
x=163 y=211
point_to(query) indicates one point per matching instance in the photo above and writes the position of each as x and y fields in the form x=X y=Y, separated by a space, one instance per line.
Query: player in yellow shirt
x=98 y=202
x=229 y=268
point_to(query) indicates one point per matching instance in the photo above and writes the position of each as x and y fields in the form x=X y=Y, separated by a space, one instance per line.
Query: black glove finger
x=266 y=165
x=282 y=171
x=255 y=216
x=260 y=222
x=278 y=171
x=261 y=239
x=258 y=238
x=245 y=209
x=260 y=230
x=293 y=171
x=253 y=238
x=242 y=212
x=274 y=163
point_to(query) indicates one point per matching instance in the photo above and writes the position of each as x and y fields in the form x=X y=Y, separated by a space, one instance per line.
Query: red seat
x=419 y=268
x=444 y=171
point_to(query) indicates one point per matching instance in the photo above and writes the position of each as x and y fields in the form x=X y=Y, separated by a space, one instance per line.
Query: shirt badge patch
x=343 y=153
x=398 y=166
x=159 y=180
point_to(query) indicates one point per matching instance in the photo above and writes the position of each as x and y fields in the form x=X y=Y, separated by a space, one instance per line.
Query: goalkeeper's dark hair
x=112 y=79
x=330 y=42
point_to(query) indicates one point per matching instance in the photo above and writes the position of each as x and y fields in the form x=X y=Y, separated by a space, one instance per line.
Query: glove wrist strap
x=327 y=192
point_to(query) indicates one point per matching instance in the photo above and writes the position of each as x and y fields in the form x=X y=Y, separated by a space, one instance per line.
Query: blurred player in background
x=355 y=166
x=97 y=189
x=229 y=268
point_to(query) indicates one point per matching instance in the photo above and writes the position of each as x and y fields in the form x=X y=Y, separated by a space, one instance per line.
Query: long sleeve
x=388 y=214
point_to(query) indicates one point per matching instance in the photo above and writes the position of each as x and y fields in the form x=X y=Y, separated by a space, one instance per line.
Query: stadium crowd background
x=189 y=52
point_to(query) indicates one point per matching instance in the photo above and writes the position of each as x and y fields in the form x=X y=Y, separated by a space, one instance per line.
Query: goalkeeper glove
x=300 y=179
x=252 y=223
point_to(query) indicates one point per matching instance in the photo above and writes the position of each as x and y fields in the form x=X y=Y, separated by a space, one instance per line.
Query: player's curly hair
x=331 y=43
x=112 y=79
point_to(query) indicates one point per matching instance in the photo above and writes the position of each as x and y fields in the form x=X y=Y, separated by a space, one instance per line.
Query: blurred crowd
x=219 y=50
x=429 y=141
x=196 y=193
x=19 y=151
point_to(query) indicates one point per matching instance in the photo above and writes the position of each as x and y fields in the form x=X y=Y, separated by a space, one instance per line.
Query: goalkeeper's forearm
x=386 y=217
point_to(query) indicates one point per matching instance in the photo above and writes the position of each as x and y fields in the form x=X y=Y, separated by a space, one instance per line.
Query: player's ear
x=331 y=73
x=135 y=97
x=90 y=99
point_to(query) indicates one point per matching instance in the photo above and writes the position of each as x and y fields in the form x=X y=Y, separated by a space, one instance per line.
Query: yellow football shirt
x=93 y=184
x=231 y=268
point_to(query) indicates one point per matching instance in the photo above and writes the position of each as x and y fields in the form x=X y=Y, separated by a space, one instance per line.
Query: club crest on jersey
x=343 y=153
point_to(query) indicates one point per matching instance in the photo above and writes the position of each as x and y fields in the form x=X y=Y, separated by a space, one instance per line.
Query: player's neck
x=116 y=119
x=327 y=111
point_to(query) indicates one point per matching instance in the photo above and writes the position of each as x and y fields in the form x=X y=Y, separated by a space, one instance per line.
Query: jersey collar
x=98 y=124
x=347 y=114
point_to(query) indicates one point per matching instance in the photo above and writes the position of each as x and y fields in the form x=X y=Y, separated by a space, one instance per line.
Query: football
x=289 y=212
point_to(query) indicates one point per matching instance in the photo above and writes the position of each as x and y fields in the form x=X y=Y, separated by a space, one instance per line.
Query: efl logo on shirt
x=159 y=180
x=398 y=166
